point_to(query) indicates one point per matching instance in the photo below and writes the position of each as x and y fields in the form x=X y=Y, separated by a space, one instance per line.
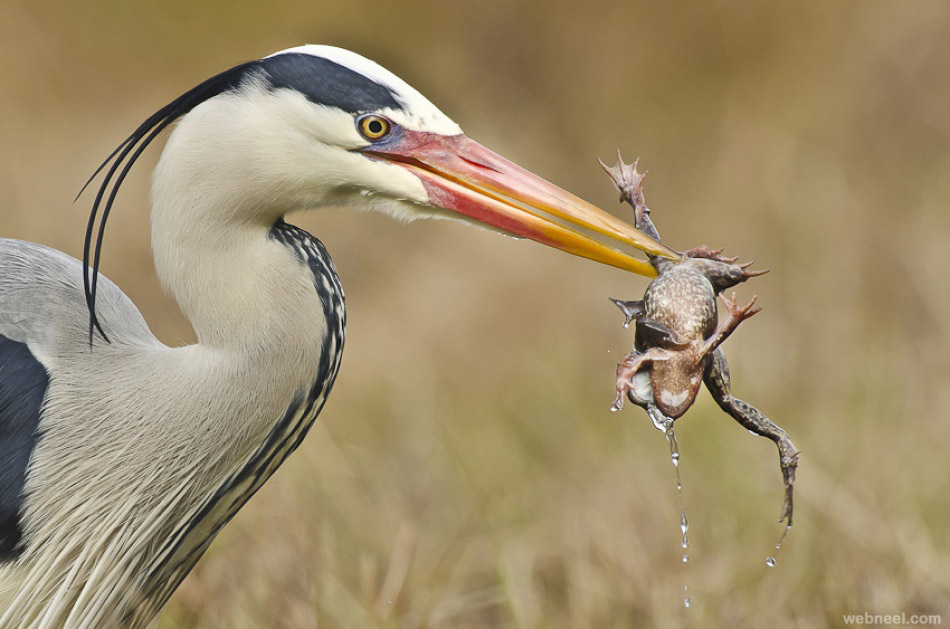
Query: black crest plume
x=120 y=162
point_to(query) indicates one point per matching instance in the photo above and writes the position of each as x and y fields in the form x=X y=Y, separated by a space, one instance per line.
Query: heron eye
x=373 y=127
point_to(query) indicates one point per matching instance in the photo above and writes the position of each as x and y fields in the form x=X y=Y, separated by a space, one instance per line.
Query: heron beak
x=463 y=176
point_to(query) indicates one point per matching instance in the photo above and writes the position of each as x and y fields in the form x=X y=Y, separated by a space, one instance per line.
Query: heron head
x=317 y=125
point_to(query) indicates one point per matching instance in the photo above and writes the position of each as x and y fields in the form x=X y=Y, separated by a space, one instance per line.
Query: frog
x=678 y=335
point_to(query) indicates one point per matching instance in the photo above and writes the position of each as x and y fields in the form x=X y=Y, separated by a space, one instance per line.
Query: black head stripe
x=328 y=83
x=322 y=81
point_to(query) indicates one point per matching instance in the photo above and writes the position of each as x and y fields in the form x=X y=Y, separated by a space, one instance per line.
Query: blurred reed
x=466 y=471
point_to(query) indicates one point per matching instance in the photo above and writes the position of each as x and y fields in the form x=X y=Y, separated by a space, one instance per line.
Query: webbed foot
x=703 y=251
x=627 y=180
x=727 y=326
x=788 y=457
x=747 y=274
x=737 y=313
x=630 y=185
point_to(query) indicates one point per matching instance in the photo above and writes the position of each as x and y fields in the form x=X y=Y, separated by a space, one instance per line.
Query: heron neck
x=241 y=290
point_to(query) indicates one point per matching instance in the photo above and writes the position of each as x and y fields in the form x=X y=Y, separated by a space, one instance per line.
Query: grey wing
x=23 y=384
x=42 y=301
x=43 y=319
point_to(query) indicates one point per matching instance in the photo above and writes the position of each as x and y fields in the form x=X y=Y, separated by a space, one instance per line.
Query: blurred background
x=466 y=471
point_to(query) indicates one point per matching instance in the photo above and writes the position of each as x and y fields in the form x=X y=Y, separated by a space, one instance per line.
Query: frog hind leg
x=629 y=183
x=716 y=377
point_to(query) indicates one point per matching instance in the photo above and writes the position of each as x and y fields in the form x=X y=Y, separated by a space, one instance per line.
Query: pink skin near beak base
x=463 y=176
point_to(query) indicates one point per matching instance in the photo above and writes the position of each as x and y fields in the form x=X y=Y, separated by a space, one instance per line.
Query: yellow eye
x=373 y=127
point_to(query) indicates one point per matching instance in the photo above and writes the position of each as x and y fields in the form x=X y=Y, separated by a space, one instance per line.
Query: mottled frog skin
x=682 y=301
x=678 y=335
x=677 y=332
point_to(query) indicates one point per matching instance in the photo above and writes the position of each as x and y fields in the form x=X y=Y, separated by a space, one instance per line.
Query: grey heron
x=122 y=457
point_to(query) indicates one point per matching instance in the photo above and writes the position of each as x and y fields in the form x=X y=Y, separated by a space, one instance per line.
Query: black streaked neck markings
x=286 y=435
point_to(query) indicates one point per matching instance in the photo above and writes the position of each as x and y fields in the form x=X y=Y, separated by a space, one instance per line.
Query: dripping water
x=665 y=425
x=660 y=421
x=675 y=458
x=770 y=561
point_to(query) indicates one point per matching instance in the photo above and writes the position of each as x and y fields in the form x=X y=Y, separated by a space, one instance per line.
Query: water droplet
x=665 y=425
x=770 y=561
x=782 y=538
x=660 y=421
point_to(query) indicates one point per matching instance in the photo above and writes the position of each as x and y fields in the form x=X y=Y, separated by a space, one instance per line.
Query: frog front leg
x=628 y=368
x=736 y=316
x=716 y=377
x=721 y=272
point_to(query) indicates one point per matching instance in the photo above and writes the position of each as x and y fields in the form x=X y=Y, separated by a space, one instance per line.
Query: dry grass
x=466 y=471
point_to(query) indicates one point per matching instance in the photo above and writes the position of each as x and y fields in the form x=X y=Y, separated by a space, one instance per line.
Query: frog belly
x=642 y=389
